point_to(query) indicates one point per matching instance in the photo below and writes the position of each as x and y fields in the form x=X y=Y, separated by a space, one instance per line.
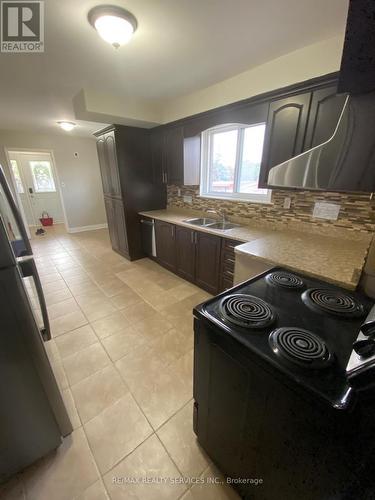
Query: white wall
x=82 y=187
x=302 y=64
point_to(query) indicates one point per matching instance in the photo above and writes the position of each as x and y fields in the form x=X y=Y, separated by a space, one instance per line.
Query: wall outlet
x=76 y=155
x=188 y=199
x=287 y=202
x=324 y=210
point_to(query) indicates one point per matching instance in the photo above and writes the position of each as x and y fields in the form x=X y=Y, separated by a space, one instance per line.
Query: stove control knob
x=364 y=348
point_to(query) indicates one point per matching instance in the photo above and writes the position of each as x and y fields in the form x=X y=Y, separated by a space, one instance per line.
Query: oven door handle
x=28 y=269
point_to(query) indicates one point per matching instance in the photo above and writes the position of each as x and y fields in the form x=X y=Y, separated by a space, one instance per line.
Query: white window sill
x=230 y=198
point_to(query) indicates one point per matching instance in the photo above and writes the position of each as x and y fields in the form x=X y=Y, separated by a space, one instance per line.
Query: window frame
x=206 y=162
x=18 y=185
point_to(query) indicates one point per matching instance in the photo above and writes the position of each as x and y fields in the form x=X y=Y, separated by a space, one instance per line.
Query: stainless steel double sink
x=211 y=223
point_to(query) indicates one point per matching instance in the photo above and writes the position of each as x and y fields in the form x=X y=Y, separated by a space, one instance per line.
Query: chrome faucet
x=219 y=213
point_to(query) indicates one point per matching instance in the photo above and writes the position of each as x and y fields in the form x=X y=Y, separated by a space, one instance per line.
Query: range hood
x=345 y=162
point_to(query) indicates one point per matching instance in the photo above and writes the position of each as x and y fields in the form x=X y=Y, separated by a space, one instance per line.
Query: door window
x=41 y=172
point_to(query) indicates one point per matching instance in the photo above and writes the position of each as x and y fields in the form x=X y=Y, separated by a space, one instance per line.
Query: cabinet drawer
x=228 y=258
x=228 y=245
x=227 y=270
x=226 y=283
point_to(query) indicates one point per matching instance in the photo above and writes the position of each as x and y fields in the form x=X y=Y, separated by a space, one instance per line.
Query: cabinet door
x=285 y=132
x=103 y=163
x=165 y=244
x=157 y=157
x=192 y=160
x=109 y=208
x=325 y=110
x=113 y=166
x=120 y=227
x=207 y=264
x=174 y=155
x=185 y=252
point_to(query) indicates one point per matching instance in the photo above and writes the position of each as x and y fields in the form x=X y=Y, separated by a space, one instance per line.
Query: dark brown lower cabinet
x=207 y=261
x=195 y=256
x=116 y=225
x=165 y=235
x=185 y=252
x=227 y=263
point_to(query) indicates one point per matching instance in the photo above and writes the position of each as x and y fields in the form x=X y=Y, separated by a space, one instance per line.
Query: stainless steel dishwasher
x=148 y=237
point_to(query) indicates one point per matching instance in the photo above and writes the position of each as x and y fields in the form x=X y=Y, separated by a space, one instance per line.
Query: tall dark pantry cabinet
x=128 y=184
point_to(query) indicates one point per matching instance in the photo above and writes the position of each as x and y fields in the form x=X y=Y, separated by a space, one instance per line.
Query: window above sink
x=230 y=163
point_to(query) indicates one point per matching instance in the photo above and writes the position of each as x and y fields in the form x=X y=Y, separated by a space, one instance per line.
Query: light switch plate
x=328 y=211
x=188 y=199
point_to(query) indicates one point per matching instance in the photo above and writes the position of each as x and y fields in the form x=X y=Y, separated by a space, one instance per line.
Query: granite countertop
x=336 y=260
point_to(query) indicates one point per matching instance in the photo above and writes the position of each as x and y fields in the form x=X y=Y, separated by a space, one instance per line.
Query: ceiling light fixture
x=114 y=24
x=67 y=126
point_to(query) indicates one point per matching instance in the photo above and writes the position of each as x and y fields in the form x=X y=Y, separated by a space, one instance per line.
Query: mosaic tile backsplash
x=357 y=213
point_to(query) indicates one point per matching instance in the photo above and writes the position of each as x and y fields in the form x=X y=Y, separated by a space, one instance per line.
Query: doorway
x=36 y=182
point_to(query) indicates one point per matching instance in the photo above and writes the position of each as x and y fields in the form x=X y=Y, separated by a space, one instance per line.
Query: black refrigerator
x=33 y=417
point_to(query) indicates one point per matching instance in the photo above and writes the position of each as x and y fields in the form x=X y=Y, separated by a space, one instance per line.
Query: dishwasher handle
x=148 y=222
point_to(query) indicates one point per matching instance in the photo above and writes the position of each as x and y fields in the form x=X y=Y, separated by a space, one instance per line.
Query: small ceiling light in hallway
x=67 y=126
x=114 y=24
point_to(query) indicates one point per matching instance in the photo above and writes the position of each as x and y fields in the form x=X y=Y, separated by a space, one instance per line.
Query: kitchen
x=216 y=341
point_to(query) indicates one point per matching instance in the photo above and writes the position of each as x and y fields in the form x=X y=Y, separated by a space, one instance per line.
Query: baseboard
x=81 y=229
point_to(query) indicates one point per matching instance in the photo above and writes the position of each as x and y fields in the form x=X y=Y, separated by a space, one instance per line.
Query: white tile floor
x=122 y=353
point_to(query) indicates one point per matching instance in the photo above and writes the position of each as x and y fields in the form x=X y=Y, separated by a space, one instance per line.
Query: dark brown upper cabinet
x=110 y=146
x=165 y=235
x=174 y=155
x=299 y=123
x=185 y=252
x=157 y=139
x=325 y=110
x=104 y=167
x=357 y=72
x=285 y=131
x=175 y=159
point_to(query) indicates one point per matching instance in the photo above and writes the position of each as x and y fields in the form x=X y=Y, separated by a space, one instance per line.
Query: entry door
x=37 y=186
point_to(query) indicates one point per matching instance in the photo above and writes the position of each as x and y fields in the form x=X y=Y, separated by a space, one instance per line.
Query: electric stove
x=271 y=387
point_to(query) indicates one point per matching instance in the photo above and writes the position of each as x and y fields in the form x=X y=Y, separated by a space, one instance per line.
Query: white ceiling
x=180 y=46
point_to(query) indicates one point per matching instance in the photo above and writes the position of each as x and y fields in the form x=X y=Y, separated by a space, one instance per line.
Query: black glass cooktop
x=302 y=326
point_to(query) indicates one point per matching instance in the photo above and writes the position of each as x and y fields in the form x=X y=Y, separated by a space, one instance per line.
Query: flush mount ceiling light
x=114 y=24
x=67 y=126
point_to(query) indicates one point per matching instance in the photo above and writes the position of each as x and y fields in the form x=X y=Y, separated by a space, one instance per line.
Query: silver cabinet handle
x=192 y=237
x=173 y=231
